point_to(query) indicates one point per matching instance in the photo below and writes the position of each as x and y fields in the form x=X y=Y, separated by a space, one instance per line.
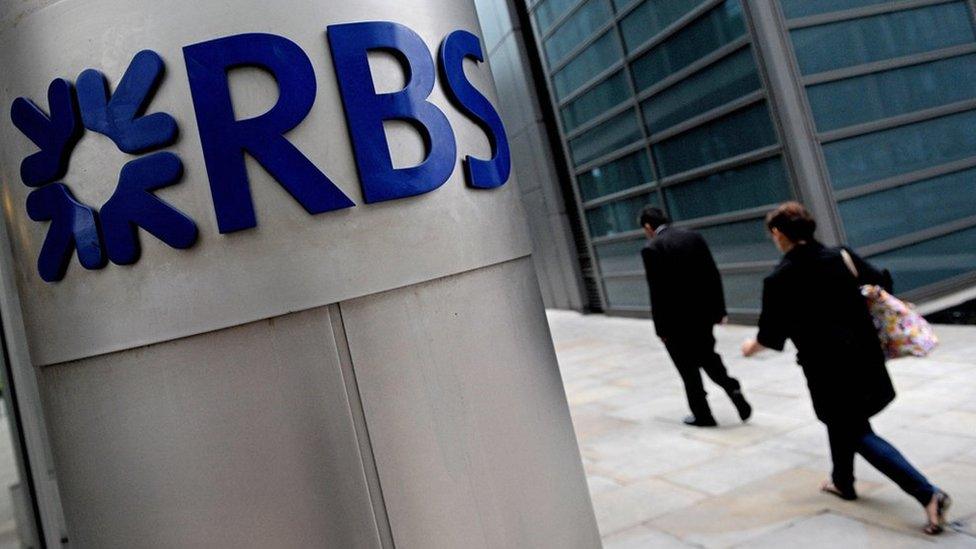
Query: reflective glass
x=595 y=101
x=627 y=292
x=734 y=134
x=849 y=43
x=930 y=261
x=713 y=30
x=712 y=87
x=620 y=216
x=650 y=18
x=803 y=8
x=743 y=291
x=621 y=257
x=740 y=188
x=590 y=62
x=902 y=210
x=620 y=130
x=575 y=30
x=620 y=5
x=904 y=149
x=890 y=93
x=549 y=11
x=623 y=173
x=740 y=242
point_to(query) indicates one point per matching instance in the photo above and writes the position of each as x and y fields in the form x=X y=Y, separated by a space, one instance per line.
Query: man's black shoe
x=743 y=407
x=704 y=422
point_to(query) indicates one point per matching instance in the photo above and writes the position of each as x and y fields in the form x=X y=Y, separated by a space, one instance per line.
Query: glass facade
x=661 y=102
x=665 y=102
x=898 y=128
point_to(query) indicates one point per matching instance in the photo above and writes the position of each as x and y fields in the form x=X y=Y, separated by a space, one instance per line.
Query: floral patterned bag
x=902 y=331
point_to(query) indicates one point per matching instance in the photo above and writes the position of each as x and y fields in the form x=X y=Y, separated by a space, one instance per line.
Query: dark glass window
x=575 y=30
x=587 y=64
x=620 y=130
x=712 y=87
x=549 y=11
x=713 y=30
x=903 y=210
x=930 y=261
x=904 y=149
x=620 y=216
x=848 y=43
x=650 y=18
x=623 y=173
x=597 y=100
x=740 y=188
x=739 y=132
x=743 y=291
x=740 y=242
x=890 y=93
x=621 y=257
x=803 y=8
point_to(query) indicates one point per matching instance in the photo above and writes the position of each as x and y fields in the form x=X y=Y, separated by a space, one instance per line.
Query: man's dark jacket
x=686 y=288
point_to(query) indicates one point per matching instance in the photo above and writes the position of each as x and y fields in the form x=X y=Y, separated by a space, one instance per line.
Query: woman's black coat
x=813 y=299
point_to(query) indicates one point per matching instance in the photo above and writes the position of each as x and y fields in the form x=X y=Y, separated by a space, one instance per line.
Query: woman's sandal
x=943 y=502
x=828 y=487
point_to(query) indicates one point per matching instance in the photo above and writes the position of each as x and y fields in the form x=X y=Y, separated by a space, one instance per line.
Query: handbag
x=902 y=331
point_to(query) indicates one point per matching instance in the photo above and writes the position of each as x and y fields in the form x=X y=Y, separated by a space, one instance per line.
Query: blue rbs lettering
x=225 y=139
x=111 y=233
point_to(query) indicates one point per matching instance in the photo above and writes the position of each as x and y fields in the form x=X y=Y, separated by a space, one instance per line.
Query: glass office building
x=716 y=110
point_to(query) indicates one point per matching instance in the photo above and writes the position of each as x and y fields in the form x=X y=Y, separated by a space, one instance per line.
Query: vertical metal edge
x=554 y=131
x=791 y=113
x=358 y=414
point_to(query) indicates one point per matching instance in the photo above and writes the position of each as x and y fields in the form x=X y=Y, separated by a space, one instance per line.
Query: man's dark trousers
x=691 y=351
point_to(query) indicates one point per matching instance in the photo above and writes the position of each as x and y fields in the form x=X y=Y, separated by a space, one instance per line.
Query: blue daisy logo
x=110 y=233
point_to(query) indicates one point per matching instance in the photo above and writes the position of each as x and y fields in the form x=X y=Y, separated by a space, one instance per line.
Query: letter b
x=366 y=110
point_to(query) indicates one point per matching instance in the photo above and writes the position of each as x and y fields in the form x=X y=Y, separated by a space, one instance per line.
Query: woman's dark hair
x=793 y=220
x=655 y=217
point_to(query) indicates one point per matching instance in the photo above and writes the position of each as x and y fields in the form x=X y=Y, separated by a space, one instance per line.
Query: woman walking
x=813 y=298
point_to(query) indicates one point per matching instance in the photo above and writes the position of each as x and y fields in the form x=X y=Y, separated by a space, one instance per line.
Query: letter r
x=225 y=139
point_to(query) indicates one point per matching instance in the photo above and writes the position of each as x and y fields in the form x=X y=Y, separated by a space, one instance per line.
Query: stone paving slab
x=657 y=483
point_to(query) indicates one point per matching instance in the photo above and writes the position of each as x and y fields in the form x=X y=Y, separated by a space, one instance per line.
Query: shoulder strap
x=849 y=261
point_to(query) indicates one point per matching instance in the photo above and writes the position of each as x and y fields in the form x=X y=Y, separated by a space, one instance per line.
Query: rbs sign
x=110 y=233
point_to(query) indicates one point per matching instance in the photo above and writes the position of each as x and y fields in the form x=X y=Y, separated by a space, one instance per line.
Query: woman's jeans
x=846 y=439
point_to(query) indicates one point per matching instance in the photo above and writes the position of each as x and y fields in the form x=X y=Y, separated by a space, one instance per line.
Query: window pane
x=551 y=10
x=620 y=130
x=736 y=133
x=911 y=208
x=930 y=261
x=714 y=86
x=740 y=188
x=740 y=242
x=621 y=257
x=621 y=4
x=883 y=154
x=849 y=43
x=803 y=8
x=610 y=93
x=743 y=291
x=627 y=292
x=712 y=31
x=624 y=173
x=620 y=216
x=600 y=55
x=580 y=26
x=890 y=93
x=652 y=17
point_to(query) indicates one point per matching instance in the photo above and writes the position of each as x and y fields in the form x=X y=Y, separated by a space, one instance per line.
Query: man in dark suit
x=686 y=302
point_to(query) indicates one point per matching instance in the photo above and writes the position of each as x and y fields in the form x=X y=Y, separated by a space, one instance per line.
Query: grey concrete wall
x=554 y=251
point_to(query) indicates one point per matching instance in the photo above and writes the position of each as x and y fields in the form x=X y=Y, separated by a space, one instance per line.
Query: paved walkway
x=659 y=484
